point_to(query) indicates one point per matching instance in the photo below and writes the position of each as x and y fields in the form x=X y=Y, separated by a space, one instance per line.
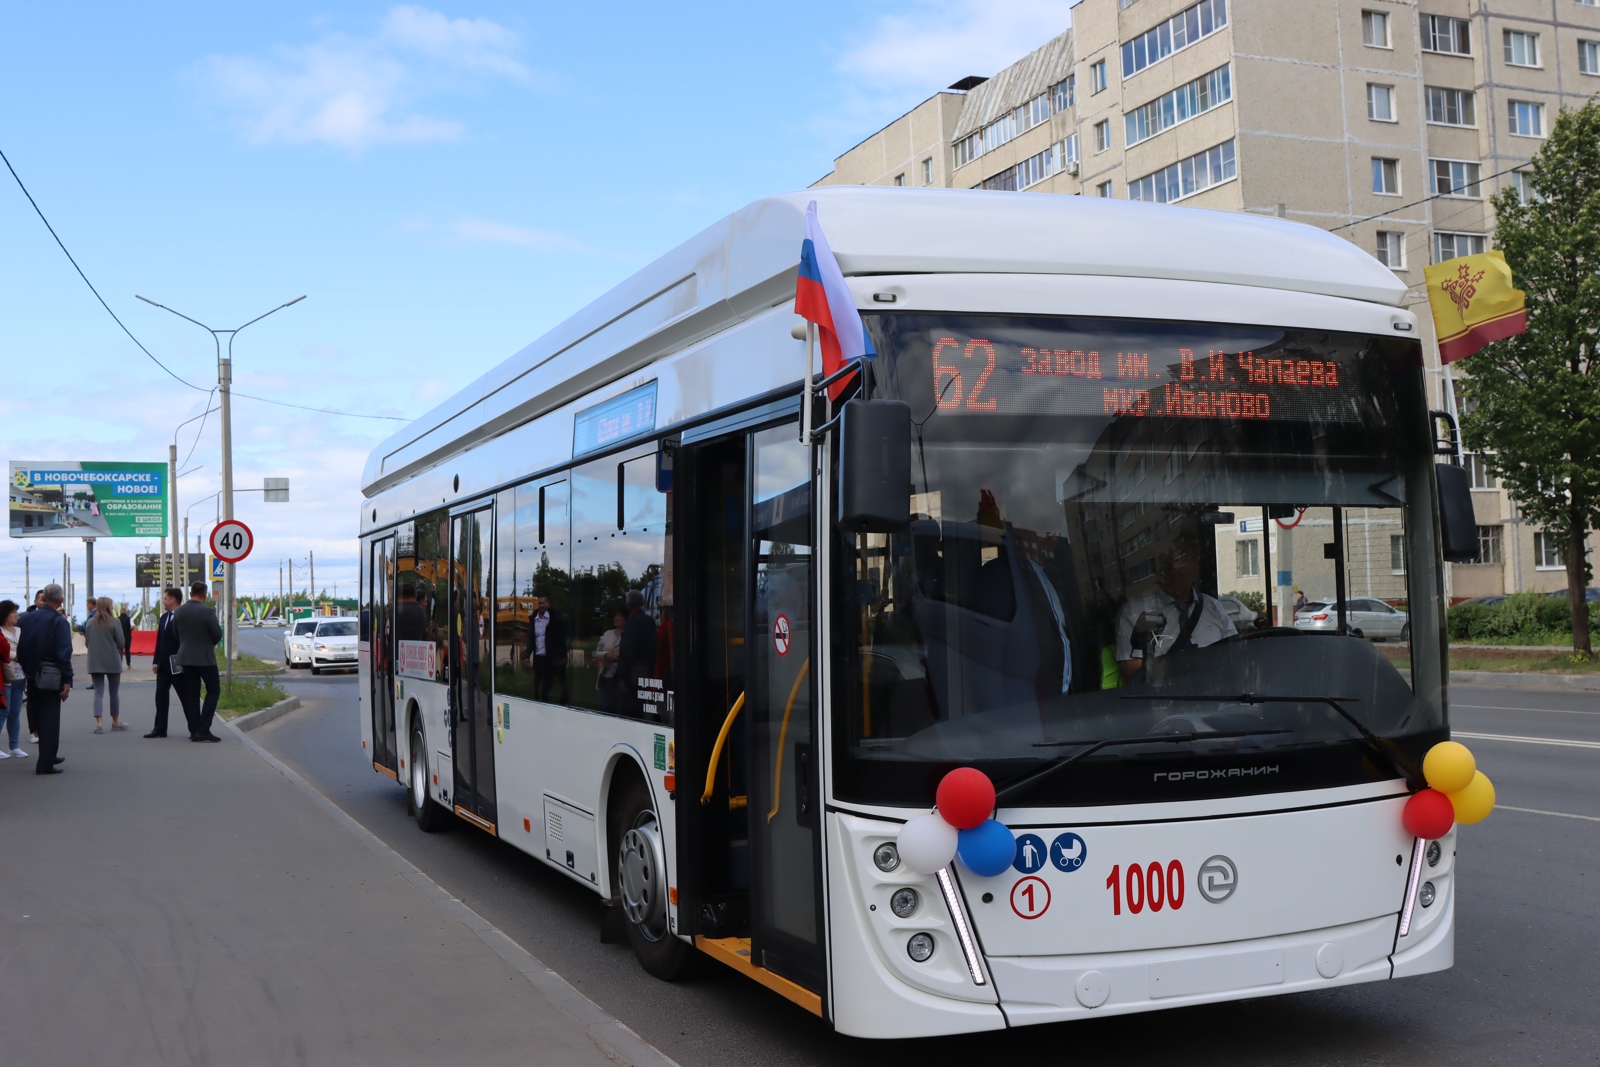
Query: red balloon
x=966 y=798
x=1428 y=815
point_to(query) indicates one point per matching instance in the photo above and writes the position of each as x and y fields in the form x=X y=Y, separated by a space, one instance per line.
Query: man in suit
x=198 y=634
x=46 y=636
x=166 y=648
x=547 y=648
x=126 y=621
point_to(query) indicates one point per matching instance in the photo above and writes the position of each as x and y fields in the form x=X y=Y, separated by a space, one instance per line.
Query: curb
x=265 y=715
x=614 y=1037
x=1512 y=680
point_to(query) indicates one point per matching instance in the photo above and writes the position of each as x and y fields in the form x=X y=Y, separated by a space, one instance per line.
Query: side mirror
x=874 y=466
x=1458 y=526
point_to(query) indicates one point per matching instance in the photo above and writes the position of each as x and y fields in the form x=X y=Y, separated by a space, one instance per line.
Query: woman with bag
x=103 y=633
x=13 y=681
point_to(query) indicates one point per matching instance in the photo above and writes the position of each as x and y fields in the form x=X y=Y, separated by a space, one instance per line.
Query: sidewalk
x=174 y=903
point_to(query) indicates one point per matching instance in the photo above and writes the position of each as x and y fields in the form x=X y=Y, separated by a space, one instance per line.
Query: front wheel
x=419 y=802
x=641 y=875
x=1405 y=632
x=315 y=669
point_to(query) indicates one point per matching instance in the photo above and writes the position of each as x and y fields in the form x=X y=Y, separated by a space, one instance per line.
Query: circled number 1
x=1030 y=897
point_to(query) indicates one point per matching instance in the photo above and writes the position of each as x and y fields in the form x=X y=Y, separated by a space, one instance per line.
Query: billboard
x=149 y=571
x=70 y=499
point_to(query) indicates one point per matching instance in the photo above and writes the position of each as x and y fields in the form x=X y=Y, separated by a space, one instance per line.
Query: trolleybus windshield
x=1099 y=508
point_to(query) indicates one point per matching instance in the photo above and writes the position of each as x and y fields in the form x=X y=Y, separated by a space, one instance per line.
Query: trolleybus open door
x=470 y=659
x=380 y=653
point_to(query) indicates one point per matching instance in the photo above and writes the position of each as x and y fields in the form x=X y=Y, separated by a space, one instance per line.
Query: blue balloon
x=988 y=848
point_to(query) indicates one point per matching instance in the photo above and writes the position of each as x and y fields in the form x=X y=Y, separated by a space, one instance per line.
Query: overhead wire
x=177 y=377
x=1424 y=200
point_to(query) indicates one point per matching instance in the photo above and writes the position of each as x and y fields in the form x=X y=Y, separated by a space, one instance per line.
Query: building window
x=1455 y=245
x=1187 y=176
x=1527 y=118
x=1375 y=29
x=1175 y=34
x=1036 y=168
x=1454 y=177
x=900 y=179
x=1589 y=57
x=1097 y=76
x=1247 y=558
x=1489 y=545
x=927 y=171
x=1397 y=553
x=1065 y=92
x=1441 y=33
x=1103 y=190
x=1380 y=102
x=1451 y=107
x=1522 y=49
x=1549 y=554
x=1069 y=149
x=1391 y=250
x=1522 y=182
x=1386 y=176
x=1102 y=135
x=1183 y=103
x=1478 y=471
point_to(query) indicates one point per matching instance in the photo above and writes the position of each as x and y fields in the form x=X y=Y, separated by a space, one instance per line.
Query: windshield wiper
x=1396 y=763
x=1021 y=784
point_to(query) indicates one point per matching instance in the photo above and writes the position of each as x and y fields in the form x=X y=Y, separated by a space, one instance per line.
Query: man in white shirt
x=1189 y=618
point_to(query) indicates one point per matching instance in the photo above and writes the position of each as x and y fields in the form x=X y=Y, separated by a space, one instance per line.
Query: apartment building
x=1389 y=122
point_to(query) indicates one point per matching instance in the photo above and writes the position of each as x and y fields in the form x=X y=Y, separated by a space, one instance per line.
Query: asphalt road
x=1524 y=989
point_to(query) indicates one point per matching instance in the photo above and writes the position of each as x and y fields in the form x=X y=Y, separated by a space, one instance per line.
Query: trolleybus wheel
x=642 y=889
x=419 y=802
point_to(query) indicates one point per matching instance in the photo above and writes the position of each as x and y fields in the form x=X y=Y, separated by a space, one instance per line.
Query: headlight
x=322 y=648
x=1434 y=852
x=1425 y=896
x=886 y=857
x=920 y=947
x=904 y=902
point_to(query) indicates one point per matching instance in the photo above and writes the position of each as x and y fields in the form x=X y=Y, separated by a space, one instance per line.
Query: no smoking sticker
x=780 y=634
x=1030 y=897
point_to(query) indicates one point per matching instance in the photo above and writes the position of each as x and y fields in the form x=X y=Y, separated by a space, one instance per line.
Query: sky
x=443 y=183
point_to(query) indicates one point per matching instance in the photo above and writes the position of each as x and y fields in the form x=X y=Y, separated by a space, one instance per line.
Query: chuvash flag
x=1473 y=302
x=821 y=296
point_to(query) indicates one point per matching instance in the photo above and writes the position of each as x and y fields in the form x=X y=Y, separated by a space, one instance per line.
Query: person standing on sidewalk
x=33 y=722
x=14 y=682
x=165 y=653
x=127 y=635
x=198 y=634
x=103 y=634
x=45 y=649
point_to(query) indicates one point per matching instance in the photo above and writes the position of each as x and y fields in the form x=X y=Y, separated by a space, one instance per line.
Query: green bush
x=1519 y=616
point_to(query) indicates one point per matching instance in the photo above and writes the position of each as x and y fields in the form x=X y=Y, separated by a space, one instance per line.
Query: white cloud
x=353 y=92
x=935 y=42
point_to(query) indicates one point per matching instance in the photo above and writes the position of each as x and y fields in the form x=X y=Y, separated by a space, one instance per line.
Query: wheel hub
x=640 y=876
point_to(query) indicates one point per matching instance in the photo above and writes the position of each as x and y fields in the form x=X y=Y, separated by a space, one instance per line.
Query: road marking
x=1541 y=811
x=1497 y=707
x=1527 y=740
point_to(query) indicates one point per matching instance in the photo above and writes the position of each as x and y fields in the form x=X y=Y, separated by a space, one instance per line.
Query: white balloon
x=928 y=843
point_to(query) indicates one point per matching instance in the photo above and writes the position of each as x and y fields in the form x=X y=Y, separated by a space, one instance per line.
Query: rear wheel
x=641 y=885
x=419 y=802
x=1405 y=632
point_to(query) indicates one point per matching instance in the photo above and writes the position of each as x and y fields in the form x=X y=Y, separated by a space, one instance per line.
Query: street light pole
x=230 y=628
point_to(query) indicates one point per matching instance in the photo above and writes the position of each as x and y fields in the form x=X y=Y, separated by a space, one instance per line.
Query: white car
x=297 y=643
x=333 y=645
x=1364 y=617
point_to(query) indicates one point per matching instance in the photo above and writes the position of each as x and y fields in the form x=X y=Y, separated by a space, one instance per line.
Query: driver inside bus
x=1176 y=614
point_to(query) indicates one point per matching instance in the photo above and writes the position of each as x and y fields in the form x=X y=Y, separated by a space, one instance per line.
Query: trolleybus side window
x=534 y=584
x=422 y=556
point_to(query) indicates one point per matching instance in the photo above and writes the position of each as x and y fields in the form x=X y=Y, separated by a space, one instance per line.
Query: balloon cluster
x=1458 y=793
x=962 y=826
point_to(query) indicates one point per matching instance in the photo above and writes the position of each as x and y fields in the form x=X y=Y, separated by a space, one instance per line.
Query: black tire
x=1356 y=633
x=429 y=814
x=315 y=669
x=1405 y=632
x=639 y=885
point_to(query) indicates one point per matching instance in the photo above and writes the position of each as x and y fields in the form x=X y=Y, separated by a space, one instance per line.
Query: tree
x=1533 y=401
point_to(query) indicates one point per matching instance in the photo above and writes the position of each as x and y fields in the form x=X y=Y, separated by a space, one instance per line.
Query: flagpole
x=805 y=404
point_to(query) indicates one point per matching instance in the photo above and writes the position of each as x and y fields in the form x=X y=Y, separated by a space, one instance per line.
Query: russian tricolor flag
x=821 y=296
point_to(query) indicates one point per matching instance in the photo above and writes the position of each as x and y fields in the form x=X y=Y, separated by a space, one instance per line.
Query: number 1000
x=1153 y=885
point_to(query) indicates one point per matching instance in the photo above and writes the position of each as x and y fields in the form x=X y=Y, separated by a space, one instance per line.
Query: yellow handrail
x=783 y=733
x=716 y=750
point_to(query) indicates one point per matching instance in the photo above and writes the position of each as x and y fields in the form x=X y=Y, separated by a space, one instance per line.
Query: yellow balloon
x=1475 y=802
x=1449 y=766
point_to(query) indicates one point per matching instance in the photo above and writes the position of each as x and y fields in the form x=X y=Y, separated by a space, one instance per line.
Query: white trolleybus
x=618 y=614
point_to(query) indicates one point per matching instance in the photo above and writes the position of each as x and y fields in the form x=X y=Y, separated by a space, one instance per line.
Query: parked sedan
x=1242 y=616
x=297 y=643
x=333 y=645
x=1364 y=617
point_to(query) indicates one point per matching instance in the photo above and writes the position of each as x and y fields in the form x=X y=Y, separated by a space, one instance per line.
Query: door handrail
x=783 y=734
x=716 y=750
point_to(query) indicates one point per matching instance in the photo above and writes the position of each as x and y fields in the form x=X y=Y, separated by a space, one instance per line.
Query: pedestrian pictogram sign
x=780 y=634
x=231 y=541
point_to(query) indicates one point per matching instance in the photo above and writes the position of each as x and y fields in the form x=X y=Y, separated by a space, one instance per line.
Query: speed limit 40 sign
x=231 y=541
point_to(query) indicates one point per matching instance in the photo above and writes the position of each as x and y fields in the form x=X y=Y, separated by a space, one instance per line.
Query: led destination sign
x=987 y=375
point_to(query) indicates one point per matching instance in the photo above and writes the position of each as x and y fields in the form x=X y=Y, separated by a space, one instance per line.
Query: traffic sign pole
x=231 y=541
